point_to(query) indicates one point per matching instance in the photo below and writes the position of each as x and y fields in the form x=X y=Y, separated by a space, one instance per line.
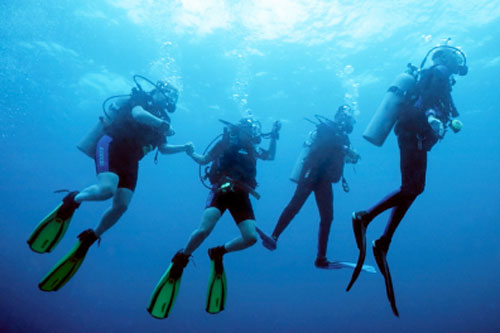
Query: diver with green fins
x=421 y=107
x=133 y=126
x=320 y=164
x=232 y=177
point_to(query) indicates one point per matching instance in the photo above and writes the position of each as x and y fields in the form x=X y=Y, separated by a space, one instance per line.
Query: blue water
x=278 y=60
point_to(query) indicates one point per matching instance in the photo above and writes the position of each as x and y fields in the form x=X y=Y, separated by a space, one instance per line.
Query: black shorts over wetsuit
x=126 y=142
x=236 y=201
x=113 y=157
x=237 y=163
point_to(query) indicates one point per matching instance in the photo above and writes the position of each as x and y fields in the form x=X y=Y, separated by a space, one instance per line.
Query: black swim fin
x=64 y=270
x=217 y=284
x=359 y=229
x=380 y=258
x=52 y=228
x=267 y=241
x=163 y=297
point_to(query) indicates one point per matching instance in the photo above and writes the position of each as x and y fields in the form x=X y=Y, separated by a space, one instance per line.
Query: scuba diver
x=134 y=125
x=320 y=164
x=232 y=177
x=421 y=106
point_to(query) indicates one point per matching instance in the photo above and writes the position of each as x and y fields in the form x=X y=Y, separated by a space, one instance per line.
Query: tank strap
x=397 y=91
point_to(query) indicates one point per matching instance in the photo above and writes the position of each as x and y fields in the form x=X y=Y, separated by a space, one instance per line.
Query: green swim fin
x=53 y=227
x=217 y=284
x=64 y=270
x=165 y=293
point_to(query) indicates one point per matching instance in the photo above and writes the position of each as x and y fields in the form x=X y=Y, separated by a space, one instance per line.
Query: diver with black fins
x=320 y=164
x=420 y=105
x=232 y=176
x=133 y=125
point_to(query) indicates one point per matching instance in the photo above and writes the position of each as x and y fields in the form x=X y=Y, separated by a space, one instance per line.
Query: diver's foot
x=269 y=242
x=179 y=262
x=323 y=263
x=69 y=206
x=216 y=254
x=87 y=238
x=359 y=224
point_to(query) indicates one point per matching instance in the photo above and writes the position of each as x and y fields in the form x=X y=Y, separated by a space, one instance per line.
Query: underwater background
x=276 y=60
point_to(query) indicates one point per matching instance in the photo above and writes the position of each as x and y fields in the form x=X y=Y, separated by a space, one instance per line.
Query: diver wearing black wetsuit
x=422 y=122
x=323 y=166
x=415 y=138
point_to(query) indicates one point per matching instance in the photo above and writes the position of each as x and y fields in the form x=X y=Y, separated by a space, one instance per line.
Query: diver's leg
x=324 y=200
x=109 y=168
x=127 y=170
x=413 y=166
x=241 y=209
x=208 y=221
x=121 y=200
x=248 y=237
x=302 y=191
x=413 y=175
x=397 y=215
x=390 y=201
x=107 y=183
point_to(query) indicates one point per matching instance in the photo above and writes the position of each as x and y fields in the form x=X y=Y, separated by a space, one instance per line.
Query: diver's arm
x=174 y=149
x=144 y=117
x=351 y=155
x=200 y=159
x=268 y=155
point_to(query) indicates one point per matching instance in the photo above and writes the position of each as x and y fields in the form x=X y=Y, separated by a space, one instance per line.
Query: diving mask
x=449 y=56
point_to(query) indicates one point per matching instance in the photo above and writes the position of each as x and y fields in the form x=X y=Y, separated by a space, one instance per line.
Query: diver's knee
x=413 y=192
x=107 y=191
x=251 y=239
x=419 y=190
x=211 y=214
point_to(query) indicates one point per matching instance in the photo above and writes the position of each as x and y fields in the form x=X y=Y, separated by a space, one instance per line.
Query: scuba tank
x=88 y=143
x=387 y=113
x=297 y=171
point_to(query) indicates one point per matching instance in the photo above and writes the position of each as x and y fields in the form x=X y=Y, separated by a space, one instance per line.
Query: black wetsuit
x=126 y=141
x=323 y=166
x=235 y=165
x=415 y=139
